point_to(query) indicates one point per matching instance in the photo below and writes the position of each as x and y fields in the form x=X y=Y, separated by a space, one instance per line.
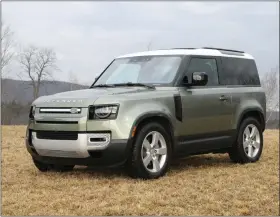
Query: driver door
x=206 y=115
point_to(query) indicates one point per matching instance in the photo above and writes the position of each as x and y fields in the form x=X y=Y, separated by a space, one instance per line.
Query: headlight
x=103 y=112
x=32 y=112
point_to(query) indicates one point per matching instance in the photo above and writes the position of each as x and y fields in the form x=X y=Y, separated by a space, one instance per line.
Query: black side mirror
x=199 y=78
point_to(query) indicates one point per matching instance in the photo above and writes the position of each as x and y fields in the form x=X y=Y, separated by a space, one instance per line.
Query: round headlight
x=103 y=112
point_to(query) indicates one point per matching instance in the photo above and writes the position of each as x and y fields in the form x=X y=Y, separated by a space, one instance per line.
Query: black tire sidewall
x=240 y=148
x=137 y=158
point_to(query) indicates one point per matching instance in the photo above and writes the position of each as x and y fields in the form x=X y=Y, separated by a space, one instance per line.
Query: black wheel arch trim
x=151 y=115
x=247 y=110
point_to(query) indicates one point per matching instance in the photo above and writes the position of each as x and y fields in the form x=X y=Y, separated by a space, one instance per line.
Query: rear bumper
x=77 y=152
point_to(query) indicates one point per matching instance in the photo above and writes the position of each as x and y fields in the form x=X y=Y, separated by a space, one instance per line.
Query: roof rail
x=222 y=49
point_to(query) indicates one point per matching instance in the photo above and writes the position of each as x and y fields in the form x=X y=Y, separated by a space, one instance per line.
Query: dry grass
x=198 y=185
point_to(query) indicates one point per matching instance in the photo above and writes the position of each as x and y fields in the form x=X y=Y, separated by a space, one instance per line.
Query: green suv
x=146 y=108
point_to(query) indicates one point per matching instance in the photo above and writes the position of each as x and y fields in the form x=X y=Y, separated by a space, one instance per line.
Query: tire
x=245 y=150
x=63 y=168
x=42 y=166
x=157 y=155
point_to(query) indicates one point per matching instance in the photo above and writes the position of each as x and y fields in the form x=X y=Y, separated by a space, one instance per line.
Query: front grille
x=57 y=135
x=61 y=110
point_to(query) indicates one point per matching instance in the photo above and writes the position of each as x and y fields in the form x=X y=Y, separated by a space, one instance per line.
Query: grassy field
x=198 y=185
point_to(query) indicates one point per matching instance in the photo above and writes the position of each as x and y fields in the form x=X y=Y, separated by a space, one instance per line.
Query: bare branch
x=271 y=88
x=38 y=64
x=7 y=43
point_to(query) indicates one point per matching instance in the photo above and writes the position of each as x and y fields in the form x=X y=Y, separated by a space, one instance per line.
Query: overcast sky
x=87 y=35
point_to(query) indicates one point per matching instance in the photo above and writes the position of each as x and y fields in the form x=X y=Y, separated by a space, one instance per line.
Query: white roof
x=198 y=51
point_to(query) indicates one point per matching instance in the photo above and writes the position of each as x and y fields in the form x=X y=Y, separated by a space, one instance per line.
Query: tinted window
x=208 y=65
x=238 y=71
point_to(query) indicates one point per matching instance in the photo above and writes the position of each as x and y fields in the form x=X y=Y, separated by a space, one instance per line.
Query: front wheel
x=249 y=143
x=151 y=152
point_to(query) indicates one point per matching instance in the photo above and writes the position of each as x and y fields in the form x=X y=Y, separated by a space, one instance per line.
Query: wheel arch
x=252 y=112
x=159 y=117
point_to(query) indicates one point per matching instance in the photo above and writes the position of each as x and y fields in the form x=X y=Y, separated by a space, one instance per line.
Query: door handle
x=223 y=98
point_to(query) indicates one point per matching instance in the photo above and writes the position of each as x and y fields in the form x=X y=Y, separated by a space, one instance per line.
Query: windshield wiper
x=135 y=84
x=103 y=85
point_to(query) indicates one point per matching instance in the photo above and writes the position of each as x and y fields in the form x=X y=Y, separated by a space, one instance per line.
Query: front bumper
x=81 y=151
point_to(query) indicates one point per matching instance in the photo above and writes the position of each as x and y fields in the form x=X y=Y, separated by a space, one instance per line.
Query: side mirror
x=199 y=78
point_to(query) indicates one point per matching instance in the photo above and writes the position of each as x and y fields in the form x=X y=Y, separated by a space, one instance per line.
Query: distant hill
x=16 y=96
x=22 y=92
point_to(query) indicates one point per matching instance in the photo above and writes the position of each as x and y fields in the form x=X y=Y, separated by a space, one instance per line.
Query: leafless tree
x=7 y=51
x=38 y=64
x=270 y=83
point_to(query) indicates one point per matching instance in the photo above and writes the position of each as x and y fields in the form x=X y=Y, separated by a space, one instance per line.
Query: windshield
x=145 y=69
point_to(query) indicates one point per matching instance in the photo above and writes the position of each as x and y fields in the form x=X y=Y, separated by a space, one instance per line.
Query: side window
x=207 y=65
x=239 y=71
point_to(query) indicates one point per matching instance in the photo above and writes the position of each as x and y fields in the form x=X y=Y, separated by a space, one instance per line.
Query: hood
x=82 y=98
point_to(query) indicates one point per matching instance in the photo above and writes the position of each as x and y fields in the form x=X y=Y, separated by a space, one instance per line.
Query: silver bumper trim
x=71 y=148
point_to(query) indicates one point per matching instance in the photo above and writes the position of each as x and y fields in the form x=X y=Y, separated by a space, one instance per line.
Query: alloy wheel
x=154 y=152
x=251 y=140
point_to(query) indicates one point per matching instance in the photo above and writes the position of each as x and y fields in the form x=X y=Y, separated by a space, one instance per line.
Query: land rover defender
x=149 y=107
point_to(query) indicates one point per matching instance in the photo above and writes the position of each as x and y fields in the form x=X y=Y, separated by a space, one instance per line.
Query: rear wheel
x=249 y=143
x=151 y=152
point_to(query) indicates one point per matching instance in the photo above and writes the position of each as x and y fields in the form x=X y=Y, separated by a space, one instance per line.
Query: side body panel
x=207 y=120
x=246 y=99
x=204 y=112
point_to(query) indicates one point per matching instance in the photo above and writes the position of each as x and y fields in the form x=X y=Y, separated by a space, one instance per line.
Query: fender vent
x=178 y=107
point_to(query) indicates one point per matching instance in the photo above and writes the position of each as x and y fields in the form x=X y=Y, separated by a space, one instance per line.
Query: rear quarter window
x=239 y=71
